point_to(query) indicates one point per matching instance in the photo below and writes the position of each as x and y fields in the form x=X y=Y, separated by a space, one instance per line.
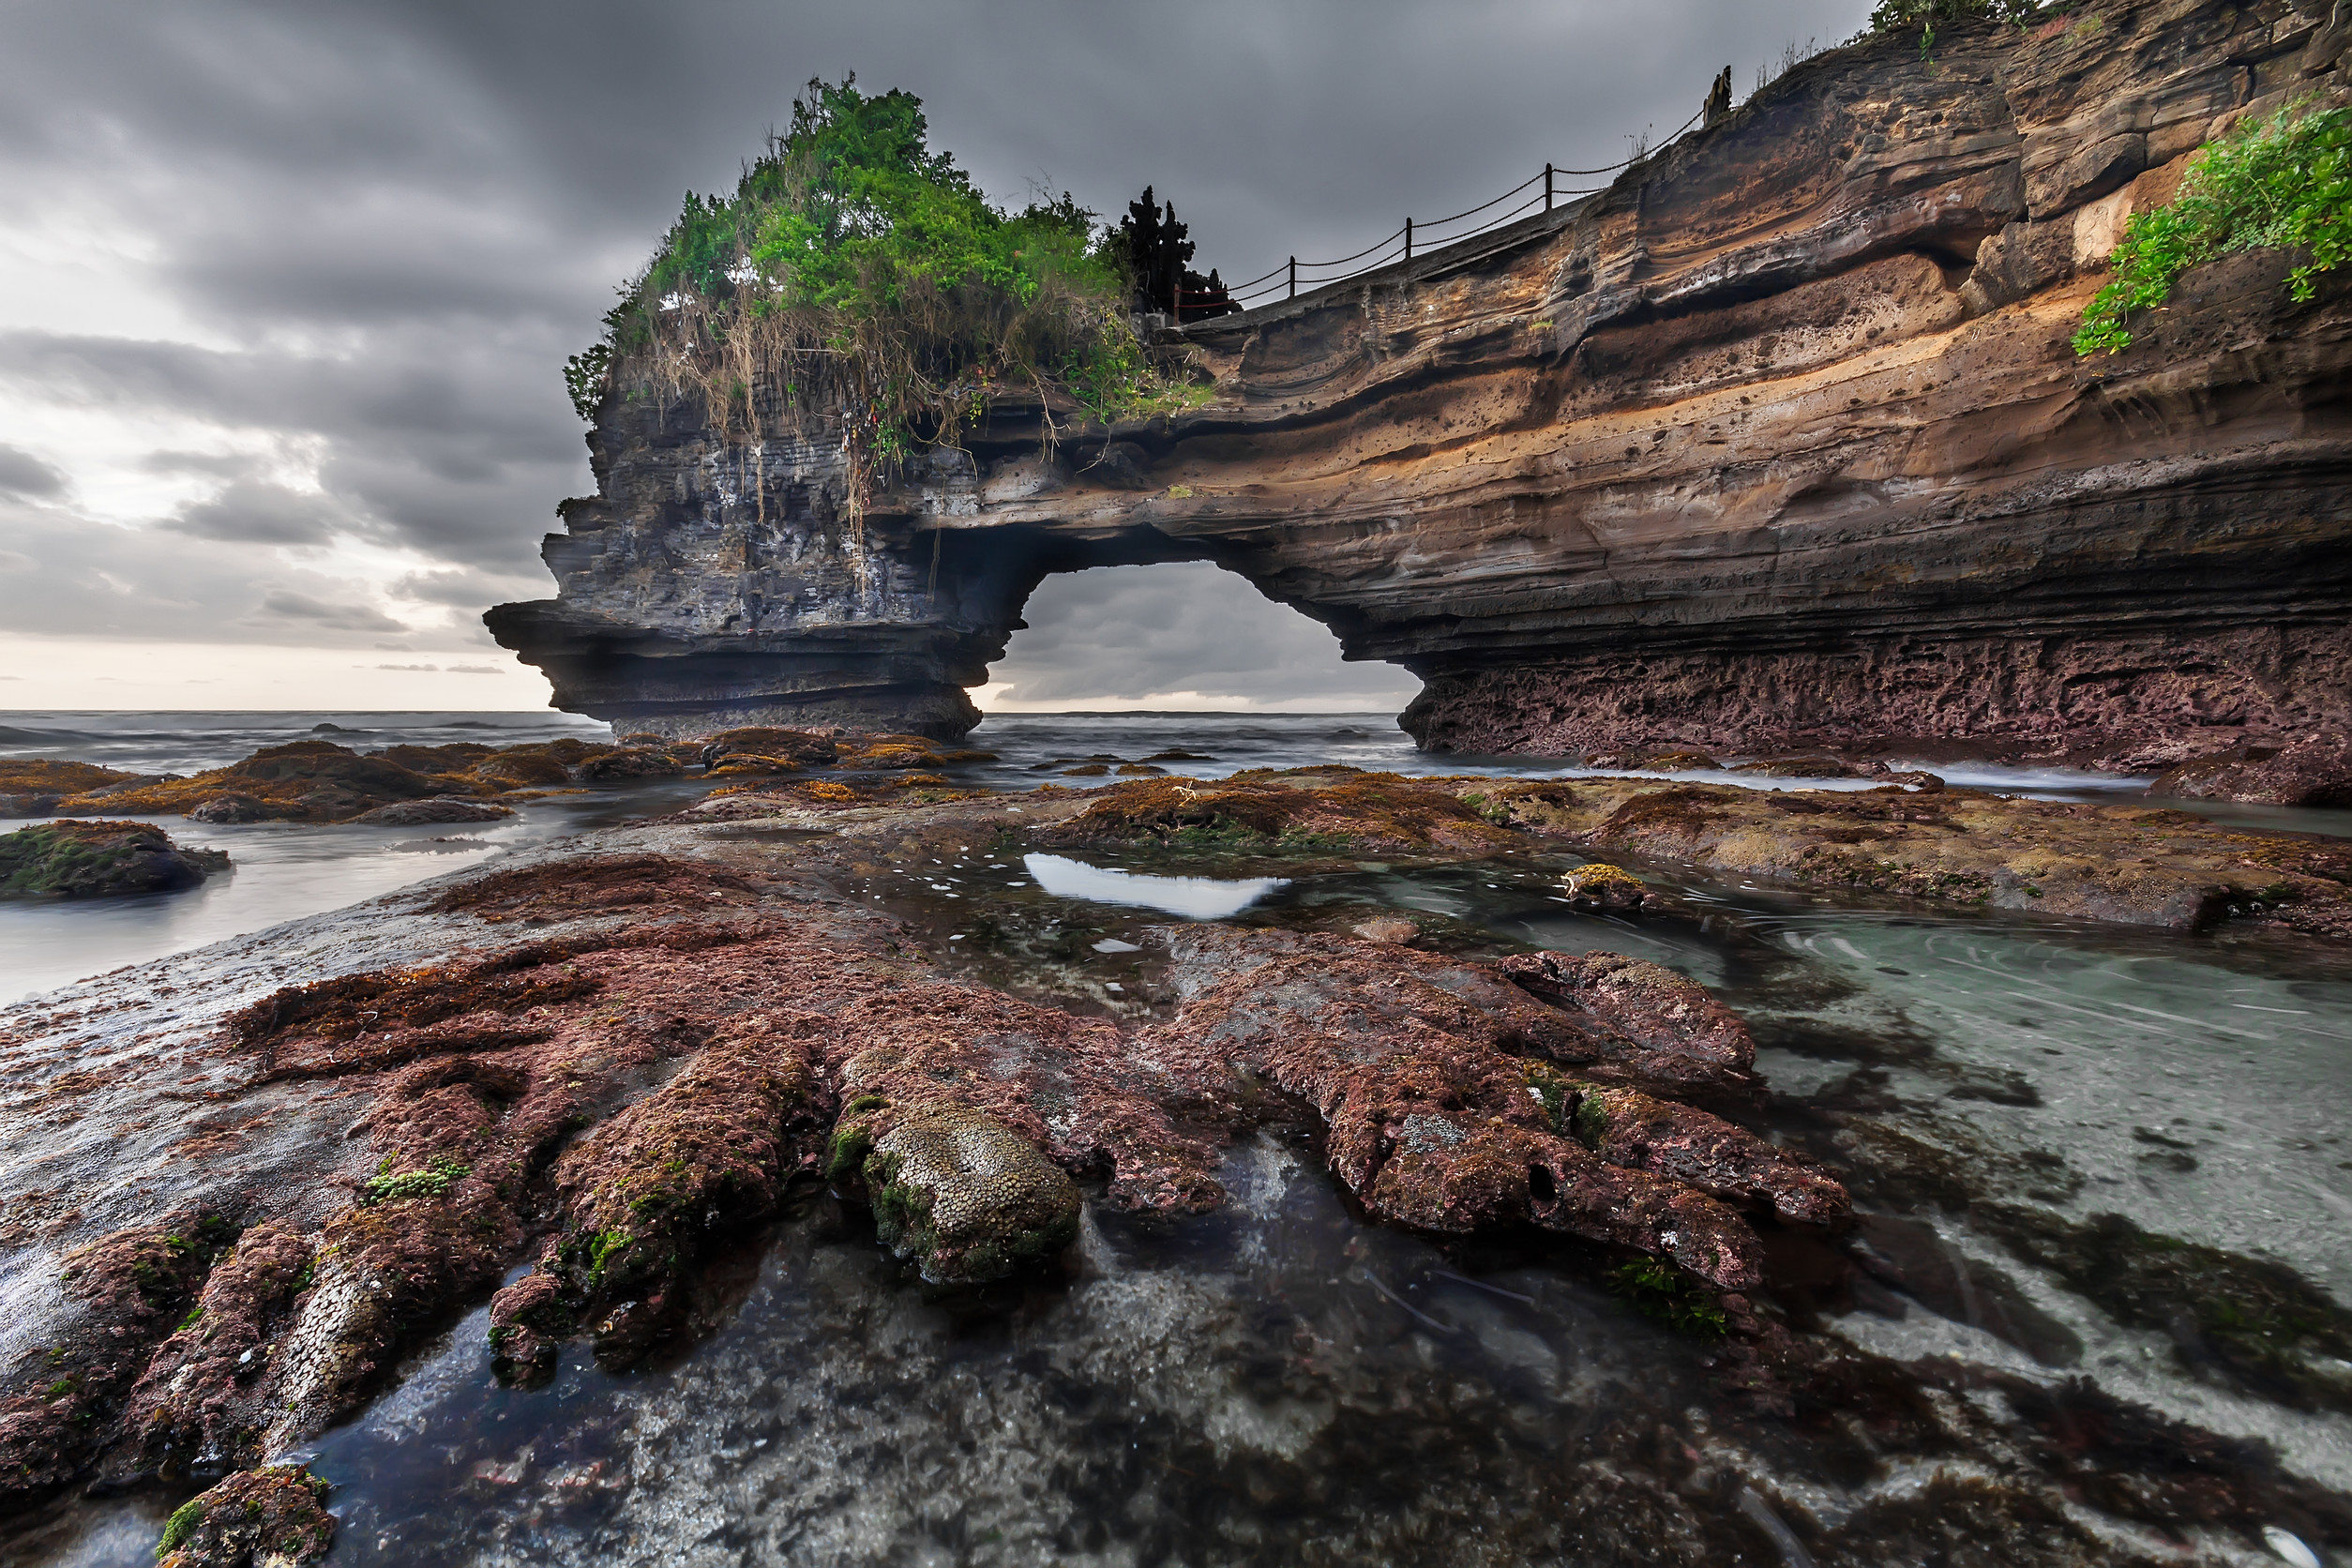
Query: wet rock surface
x=264 y=1518
x=727 y=1168
x=963 y=1196
x=76 y=859
x=2128 y=865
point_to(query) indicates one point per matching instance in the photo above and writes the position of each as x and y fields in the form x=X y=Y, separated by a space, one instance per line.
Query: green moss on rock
x=261 y=1518
x=78 y=859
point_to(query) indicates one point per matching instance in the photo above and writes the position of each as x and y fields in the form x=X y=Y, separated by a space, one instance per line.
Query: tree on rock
x=1151 y=244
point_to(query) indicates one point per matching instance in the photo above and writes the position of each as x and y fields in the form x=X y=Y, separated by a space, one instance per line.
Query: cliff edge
x=1778 y=442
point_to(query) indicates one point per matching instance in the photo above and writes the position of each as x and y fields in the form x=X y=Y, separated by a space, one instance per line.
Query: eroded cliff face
x=1778 y=440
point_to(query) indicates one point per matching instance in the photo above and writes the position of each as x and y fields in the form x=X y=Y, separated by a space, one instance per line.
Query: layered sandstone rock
x=1778 y=440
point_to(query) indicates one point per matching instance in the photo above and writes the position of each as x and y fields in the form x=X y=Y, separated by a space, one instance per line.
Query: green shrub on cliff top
x=859 y=274
x=2285 y=181
x=1894 y=15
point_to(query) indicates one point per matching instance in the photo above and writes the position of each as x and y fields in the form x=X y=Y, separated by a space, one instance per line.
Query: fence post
x=1294 y=277
x=1409 y=239
x=1547 y=188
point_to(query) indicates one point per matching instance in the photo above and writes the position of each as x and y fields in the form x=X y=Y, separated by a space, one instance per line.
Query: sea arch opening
x=1177 y=636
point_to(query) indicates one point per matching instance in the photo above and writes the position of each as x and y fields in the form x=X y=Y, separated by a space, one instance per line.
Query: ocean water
x=284 y=870
x=1281 y=1382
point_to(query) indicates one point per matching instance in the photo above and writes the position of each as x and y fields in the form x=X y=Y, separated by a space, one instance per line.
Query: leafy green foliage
x=859 y=273
x=2284 y=182
x=1659 y=1289
x=1895 y=16
x=583 y=377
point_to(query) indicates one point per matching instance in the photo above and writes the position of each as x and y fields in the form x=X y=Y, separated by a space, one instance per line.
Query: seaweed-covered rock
x=1640 y=1132
x=2130 y=865
x=385 y=1271
x=1451 y=1107
x=627 y=762
x=125 y=1292
x=100 y=859
x=439 y=808
x=711 y=1148
x=1598 y=886
x=33 y=786
x=965 y=1196
x=796 y=748
x=202 y=1404
x=1689 y=1035
x=1323 y=808
x=303 y=781
x=262 y=1518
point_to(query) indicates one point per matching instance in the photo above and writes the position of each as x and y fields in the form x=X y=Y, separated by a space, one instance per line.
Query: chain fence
x=1419 y=236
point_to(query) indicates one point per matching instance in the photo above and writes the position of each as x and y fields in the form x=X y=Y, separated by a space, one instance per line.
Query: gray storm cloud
x=377 y=228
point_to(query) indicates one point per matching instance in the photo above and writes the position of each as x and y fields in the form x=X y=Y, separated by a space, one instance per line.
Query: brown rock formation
x=1780 y=440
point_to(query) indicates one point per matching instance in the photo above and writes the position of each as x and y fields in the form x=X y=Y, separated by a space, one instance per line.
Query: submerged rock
x=100 y=859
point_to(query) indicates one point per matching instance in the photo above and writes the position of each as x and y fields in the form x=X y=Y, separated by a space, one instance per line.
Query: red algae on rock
x=1100 y=1103
x=128 y=1291
x=199 y=1406
x=1443 y=1101
x=1687 y=1034
x=596 y=885
x=712 y=1148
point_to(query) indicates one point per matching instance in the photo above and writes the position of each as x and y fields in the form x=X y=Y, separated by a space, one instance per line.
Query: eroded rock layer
x=1779 y=439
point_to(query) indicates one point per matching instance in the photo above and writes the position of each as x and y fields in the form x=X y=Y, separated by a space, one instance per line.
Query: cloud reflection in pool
x=1194 y=897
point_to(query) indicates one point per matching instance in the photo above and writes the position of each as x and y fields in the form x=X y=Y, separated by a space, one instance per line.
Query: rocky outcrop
x=97 y=860
x=1778 y=440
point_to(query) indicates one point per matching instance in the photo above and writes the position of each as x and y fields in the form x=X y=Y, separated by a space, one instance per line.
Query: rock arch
x=1778 y=440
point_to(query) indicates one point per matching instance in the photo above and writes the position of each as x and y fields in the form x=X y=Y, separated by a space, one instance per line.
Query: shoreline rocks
x=609 y=1063
x=76 y=859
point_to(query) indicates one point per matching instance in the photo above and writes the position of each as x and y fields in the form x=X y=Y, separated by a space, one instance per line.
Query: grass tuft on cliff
x=2285 y=182
x=856 y=272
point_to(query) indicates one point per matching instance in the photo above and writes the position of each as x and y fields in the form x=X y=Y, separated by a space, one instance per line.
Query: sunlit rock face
x=1779 y=440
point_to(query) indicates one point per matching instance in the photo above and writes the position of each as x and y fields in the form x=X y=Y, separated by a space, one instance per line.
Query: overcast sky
x=286 y=287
